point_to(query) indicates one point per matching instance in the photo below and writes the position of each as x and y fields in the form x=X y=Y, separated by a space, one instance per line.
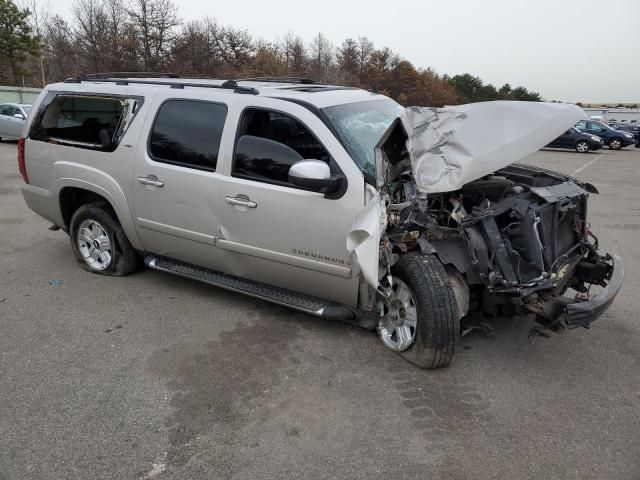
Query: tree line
x=38 y=46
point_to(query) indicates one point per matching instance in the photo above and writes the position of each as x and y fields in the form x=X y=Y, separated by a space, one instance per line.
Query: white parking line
x=588 y=164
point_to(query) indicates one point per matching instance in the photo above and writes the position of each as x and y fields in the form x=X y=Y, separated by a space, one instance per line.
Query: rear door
x=176 y=183
x=275 y=232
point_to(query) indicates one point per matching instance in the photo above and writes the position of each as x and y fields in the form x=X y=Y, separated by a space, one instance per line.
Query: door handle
x=241 y=201
x=151 y=180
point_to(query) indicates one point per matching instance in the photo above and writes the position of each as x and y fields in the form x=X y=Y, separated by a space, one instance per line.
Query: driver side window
x=269 y=143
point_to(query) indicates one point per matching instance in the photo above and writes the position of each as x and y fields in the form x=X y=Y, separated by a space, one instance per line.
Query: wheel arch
x=73 y=193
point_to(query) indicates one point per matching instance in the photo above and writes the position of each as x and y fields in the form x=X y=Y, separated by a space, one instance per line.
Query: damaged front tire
x=422 y=306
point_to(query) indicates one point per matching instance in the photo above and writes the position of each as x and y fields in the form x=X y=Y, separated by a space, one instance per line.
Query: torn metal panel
x=449 y=147
x=363 y=241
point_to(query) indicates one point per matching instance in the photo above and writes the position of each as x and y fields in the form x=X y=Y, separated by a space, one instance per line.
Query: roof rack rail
x=285 y=79
x=228 y=85
x=128 y=75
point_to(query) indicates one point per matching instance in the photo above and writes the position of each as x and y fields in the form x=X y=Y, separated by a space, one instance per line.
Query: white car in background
x=12 y=119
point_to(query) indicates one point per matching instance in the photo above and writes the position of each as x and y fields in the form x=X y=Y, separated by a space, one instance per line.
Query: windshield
x=360 y=127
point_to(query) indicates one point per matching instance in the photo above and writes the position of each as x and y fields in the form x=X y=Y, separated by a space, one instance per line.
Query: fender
x=101 y=184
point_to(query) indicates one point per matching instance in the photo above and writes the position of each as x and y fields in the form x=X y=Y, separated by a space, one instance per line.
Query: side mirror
x=19 y=115
x=315 y=175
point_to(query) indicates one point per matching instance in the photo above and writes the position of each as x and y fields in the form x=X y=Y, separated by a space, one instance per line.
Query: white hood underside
x=452 y=146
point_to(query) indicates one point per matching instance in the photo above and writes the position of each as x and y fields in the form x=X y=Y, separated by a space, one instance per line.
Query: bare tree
x=62 y=56
x=154 y=22
x=91 y=28
x=295 y=54
x=365 y=49
x=40 y=15
x=321 y=58
x=347 y=58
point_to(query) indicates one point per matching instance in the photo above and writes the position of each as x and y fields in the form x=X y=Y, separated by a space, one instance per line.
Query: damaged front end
x=513 y=238
x=519 y=238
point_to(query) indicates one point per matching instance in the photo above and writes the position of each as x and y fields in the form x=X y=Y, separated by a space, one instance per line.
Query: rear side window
x=188 y=133
x=269 y=143
x=84 y=121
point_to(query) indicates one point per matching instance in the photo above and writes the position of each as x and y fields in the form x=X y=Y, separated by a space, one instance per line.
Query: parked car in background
x=632 y=128
x=12 y=119
x=580 y=141
x=616 y=139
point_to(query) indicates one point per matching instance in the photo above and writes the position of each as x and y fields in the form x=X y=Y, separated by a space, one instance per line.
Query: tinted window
x=269 y=143
x=188 y=133
x=581 y=124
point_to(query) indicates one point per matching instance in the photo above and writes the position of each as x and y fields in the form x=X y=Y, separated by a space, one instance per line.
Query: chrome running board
x=279 y=296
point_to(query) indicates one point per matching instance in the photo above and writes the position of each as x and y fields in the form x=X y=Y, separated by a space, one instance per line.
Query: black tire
x=124 y=259
x=615 y=143
x=582 y=146
x=438 y=326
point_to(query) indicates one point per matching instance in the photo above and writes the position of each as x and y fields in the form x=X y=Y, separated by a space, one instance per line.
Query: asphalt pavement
x=154 y=376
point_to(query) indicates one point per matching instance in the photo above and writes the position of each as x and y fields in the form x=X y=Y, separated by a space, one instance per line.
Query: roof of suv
x=319 y=95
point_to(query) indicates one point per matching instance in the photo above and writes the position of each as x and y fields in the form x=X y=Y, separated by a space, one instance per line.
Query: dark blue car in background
x=632 y=128
x=616 y=139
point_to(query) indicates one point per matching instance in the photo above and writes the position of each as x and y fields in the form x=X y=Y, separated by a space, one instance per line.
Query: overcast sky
x=570 y=50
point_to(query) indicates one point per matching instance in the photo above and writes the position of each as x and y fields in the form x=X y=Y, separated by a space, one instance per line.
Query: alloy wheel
x=95 y=245
x=582 y=147
x=397 y=327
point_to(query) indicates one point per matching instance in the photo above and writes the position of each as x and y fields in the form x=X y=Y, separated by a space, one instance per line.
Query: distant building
x=619 y=115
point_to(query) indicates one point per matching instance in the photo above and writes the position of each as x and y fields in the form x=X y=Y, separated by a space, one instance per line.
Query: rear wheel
x=615 y=144
x=582 y=146
x=421 y=319
x=99 y=243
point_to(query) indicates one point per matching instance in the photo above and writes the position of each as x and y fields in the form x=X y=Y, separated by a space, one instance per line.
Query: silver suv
x=330 y=200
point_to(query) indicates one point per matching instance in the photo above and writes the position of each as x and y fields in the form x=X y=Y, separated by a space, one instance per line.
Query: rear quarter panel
x=53 y=167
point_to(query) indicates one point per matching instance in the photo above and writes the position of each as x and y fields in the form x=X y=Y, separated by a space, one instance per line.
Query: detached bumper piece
x=555 y=312
x=581 y=314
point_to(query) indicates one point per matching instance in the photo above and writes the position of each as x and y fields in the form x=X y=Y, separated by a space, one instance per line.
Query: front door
x=275 y=232
x=176 y=185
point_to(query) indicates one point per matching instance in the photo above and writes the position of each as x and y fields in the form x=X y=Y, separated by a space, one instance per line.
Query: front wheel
x=582 y=146
x=615 y=144
x=421 y=319
x=99 y=243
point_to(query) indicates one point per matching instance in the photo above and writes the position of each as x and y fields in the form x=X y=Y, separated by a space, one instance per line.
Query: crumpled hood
x=452 y=146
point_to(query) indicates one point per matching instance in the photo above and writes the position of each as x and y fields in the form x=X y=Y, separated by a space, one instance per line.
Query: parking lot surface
x=154 y=376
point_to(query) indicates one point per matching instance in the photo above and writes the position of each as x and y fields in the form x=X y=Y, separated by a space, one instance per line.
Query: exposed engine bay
x=513 y=239
x=513 y=242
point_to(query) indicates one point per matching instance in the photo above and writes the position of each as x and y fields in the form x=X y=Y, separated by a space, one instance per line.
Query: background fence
x=18 y=95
